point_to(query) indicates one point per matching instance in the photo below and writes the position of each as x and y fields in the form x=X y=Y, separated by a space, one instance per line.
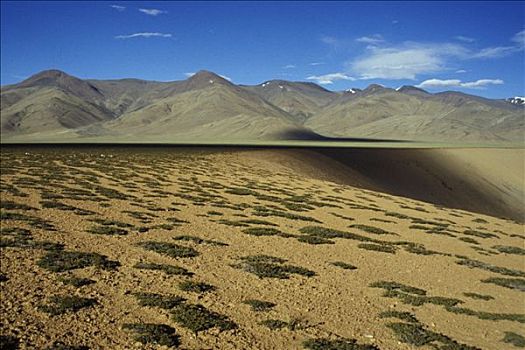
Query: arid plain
x=207 y=248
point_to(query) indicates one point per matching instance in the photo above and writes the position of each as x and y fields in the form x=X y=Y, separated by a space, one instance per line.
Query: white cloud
x=289 y=66
x=461 y=71
x=519 y=39
x=405 y=61
x=330 y=78
x=144 y=35
x=501 y=51
x=395 y=21
x=465 y=39
x=118 y=7
x=316 y=63
x=478 y=84
x=152 y=12
x=482 y=83
x=495 y=52
x=372 y=39
x=189 y=74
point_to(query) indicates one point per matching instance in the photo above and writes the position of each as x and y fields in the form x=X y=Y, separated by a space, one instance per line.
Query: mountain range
x=54 y=106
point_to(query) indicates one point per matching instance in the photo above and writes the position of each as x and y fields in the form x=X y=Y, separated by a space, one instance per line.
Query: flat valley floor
x=152 y=248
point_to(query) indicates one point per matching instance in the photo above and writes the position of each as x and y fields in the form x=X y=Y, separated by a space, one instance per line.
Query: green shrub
x=170 y=249
x=59 y=261
x=478 y=296
x=196 y=287
x=264 y=266
x=58 y=345
x=343 y=265
x=511 y=283
x=107 y=230
x=76 y=281
x=314 y=240
x=514 y=339
x=372 y=229
x=259 y=305
x=509 y=249
x=197 y=318
x=66 y=303
x=167 y=269
x=337 y=344
x=198 y=240
x=378 y=247
x=150 y=333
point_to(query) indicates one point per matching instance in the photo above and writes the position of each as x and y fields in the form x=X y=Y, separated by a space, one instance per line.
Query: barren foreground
x=109 y=248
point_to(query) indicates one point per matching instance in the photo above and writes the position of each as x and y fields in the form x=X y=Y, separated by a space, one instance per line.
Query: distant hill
x=55 y=106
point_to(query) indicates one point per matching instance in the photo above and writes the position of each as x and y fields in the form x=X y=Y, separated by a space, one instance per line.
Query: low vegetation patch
x=509 y=249
x=196 y=287
x=60 y=304
x=337 y=344
x=58 y=345
x=401 y=315
x=488 y=267
x=76 y=281
x=480 y=234
x=60 y=261
x=9 y=342
x=468 y=240
x=478 y=296
x=264 y=266
x=107 y=230
x=259 y=305
x=198 y=240
x=511 y=283
x=372 y=229
x=167 y=269
x=150 y=333
x=314 y=240
x=514 y=339
x=170 y=249
x=343 y=265
x=415 y=334
x=197 y=318
x=328 y=233
x=263 y=231
x=378 y=247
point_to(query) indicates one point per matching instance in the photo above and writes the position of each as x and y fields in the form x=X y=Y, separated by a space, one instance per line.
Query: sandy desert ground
x=151 y=248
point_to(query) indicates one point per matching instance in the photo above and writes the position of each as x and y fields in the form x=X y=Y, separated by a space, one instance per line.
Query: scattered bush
x=514 y=339
x=259 y=305
x=197 y=318
x=196 y=287
x=76 y=281
x=338 y=344
x=344 y=265
x=60 y=261
x=170 y=249
x=167 y=269
x=66 y=303
x=378 y=247
x=150 y=333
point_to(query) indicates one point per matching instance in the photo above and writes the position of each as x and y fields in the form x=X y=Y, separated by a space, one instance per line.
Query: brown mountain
x=300 y=99
x=55 y=106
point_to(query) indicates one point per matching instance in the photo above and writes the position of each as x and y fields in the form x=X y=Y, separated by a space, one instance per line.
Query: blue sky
x=475 y=47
